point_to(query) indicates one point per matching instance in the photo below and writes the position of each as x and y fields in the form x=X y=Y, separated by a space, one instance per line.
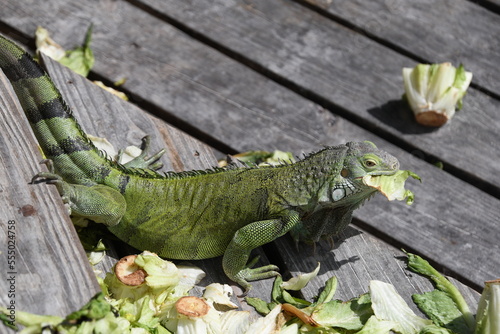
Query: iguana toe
x=142 y=161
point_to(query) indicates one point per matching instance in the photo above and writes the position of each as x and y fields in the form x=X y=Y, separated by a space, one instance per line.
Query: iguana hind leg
x=99 y=203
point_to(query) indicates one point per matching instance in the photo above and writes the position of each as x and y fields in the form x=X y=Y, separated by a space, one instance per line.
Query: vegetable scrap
x=80 y=59
x=159 y=302
x=393 y=186
x=433 y=91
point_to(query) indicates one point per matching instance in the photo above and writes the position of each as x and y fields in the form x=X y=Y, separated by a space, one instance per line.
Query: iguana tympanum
x=197 y=214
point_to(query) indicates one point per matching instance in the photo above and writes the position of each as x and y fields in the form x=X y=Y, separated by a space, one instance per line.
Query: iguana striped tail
x=60 y=136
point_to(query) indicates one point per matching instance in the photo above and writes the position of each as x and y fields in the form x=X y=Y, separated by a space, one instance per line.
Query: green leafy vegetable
x=433 y=329
x=377 y=326
x=300 y=281
x=421 y=266
x=80 y=59
x=392 y=186
x=442 y=310
x=328 y=291
x=158 y=303
x=433 y=91
x=389 y=305
x=349 y=315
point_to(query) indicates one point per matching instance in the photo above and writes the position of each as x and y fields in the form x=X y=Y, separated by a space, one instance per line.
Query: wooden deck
x=208 y=78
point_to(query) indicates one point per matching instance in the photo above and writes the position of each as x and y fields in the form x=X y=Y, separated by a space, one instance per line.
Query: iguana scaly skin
x=197 y=214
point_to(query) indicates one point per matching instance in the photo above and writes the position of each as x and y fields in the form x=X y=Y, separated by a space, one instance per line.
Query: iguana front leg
x=99 y=203
x=249 y=237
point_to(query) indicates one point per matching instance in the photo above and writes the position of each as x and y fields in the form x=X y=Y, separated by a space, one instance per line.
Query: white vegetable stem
x=488 y=311
x=433 y=91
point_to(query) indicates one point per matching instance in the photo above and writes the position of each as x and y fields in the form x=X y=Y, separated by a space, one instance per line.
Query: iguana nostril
x=395 y=165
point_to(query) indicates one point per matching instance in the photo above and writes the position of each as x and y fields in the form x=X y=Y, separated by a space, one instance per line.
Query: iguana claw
x=141 y=161
x=253 y=274
x=46 y=175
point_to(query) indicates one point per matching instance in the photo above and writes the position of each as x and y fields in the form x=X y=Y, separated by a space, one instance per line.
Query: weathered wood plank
x=50 y=273
x=342 y=68
x=248 y=111
x=437 y=31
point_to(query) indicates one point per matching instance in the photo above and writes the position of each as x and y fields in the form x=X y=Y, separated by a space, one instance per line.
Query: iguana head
x=343 y=190
x=361 y=159
x=364 y=158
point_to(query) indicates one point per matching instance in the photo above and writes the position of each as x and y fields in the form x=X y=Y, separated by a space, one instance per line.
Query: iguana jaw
x=378 y=173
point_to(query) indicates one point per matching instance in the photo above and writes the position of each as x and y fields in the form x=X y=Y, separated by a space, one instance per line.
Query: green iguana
x=197 y=214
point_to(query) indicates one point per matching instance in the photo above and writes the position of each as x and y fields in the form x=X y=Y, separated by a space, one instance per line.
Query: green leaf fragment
x=393 y=186
x=389 y=305
x=328 y=291
x=421 y=266
x=33 y=322
x=277 y=291
x=377 y=326
x=262 y=158
x=80 y=59
x=288 y=298
x=258 y=304
x=96 y=308
x=350 y=315
x=433 y=329
x=7 y=321
x=442 y=310
x=300 y=281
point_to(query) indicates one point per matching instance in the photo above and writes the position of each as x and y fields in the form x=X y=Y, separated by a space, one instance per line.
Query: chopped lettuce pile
x=145 y=294
x=433 y=91
x=392 y=186
x=383 y=310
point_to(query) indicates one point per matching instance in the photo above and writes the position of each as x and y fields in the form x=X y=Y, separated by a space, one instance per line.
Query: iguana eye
x=370 y=163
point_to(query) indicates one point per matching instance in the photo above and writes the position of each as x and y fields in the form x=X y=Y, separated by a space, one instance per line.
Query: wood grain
x=435 y=31
x=51 y=271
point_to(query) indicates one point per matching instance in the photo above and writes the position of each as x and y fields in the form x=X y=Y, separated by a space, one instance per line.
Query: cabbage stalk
x=488 y=311
x=433 y=91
